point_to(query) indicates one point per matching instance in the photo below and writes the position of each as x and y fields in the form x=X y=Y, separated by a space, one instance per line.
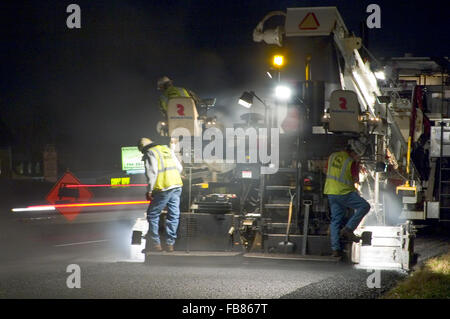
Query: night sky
x=92 y=90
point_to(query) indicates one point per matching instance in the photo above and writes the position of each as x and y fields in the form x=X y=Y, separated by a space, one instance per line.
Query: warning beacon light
x=278 y=61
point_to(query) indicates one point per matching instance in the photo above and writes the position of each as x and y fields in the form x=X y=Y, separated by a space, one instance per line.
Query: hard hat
x=162 y=81
x=143 y=142
x=358 y=146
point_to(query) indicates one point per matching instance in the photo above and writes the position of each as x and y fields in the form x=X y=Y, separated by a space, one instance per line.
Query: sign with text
x=120 y=181
x=131 y=159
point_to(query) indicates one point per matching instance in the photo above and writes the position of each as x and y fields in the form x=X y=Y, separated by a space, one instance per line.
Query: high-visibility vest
x=170 y=93
x=339 y=179
x=168 y=175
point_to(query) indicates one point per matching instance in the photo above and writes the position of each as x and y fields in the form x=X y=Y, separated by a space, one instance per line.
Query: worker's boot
x=347 y=234
x=169 y=248
x=154 y=247
x=336 y=253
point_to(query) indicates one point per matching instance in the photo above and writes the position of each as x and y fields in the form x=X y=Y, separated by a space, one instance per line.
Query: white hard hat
x=358 y=146
x=143 y=142
x=162 y=81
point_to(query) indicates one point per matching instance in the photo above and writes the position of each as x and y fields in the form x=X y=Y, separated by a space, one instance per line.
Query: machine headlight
x=282 y=92
x=246 y=100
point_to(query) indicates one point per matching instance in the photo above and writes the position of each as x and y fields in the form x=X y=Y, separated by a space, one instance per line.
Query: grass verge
x=431 y=281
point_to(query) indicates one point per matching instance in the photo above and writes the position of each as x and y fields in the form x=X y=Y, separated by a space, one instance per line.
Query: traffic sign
x=309 y=22
x=60 y=193
x=132 y=158
x=312 y=21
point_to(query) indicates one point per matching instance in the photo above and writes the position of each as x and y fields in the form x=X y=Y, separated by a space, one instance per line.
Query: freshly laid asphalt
x=34 y=266
x=35 y=253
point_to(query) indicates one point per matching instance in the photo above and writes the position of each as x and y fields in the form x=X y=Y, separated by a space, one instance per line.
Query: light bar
x=53 y=207
x=105 y=185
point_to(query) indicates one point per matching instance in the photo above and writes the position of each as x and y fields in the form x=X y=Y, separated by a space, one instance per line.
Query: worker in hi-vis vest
x=169 y=92
x=162 y=170
x=342 y=172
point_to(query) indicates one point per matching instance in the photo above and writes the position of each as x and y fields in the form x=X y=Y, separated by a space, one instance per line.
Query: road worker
x=342 y=172
x=162 y=170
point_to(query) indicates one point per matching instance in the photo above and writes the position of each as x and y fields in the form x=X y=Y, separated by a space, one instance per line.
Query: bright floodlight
x=380 y=75
x=246 y=100
x=282 y=92
x=245 y=104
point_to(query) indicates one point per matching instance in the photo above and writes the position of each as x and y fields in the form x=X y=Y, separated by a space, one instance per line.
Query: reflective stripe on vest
x=161 y=162
x=168 y=175
x=339 y=179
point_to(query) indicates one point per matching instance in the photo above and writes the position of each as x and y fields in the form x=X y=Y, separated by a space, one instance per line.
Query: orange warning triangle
x=309 y=22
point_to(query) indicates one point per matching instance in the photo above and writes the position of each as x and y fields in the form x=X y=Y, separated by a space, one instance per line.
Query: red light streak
x=91 y=204
x=104 y=185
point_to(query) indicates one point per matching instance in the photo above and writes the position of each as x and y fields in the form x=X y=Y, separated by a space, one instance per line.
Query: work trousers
x=338 y=207
x=171 y=199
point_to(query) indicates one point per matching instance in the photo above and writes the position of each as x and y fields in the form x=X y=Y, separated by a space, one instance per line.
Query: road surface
x=36 y=251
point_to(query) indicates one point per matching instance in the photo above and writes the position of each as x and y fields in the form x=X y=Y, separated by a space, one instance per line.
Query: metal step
x=276 y=206
x=286 y=170
x=279 y=188
x=291 y=257
x=182 y=253
x=284 y=225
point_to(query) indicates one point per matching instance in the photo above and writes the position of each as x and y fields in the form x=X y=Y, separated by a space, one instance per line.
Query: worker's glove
x=358 y=188
x=148 y=195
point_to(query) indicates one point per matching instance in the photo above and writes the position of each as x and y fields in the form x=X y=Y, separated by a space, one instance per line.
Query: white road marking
x=82 y=243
